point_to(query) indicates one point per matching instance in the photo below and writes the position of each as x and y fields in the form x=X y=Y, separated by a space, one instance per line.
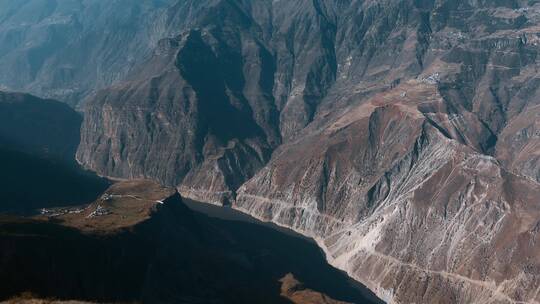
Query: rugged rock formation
x=404 y=134
x=416 y=216
x=193 y=115
x=518 y=147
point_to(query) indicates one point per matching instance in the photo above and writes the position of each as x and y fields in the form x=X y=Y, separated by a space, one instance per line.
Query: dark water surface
x=284 y=251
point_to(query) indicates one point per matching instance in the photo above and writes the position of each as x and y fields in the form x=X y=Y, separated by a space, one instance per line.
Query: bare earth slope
x=411 y=213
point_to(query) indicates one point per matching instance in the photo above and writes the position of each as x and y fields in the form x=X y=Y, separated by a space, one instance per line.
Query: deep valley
x=395 y=140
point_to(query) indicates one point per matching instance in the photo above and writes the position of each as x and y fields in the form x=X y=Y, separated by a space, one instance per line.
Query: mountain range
x=402 y=136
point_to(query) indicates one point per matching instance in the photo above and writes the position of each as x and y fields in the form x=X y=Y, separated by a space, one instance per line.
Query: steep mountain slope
x=404 y=209
x=401 y=135
x=45 y=128
x=67 y=49
x=38 y=140
x=518 y=146
x=183 y=125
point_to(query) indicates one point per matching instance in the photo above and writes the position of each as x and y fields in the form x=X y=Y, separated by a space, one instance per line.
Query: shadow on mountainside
x=38 y=141
x=177 y=256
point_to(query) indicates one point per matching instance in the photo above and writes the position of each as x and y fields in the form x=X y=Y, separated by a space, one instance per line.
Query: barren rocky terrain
x=67 y=49
x=401 y=135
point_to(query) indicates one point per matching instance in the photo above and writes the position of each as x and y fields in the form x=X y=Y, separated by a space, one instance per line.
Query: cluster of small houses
x=60 y=211
x=100 y=210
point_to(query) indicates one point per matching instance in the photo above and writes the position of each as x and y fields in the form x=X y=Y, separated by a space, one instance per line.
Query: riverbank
x=234 y=215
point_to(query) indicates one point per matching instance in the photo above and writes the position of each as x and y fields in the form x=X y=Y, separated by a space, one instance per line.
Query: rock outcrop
x=188 y=124
x=297 y=293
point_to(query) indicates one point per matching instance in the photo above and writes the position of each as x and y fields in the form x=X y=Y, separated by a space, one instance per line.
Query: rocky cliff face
x=188 y=124
x=415 y=215
x=401 y=135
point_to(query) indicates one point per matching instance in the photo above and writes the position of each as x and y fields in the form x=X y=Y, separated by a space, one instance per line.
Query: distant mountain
x=67 y=49
x=139 y=243
x=399 y=134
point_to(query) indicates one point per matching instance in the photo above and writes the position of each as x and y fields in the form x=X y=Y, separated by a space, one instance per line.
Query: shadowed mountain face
x=38 y=140
x=145 y=245
x=44 y=128
x=399 y=134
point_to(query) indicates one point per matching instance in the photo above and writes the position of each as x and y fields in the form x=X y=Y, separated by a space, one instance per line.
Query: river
x=285 y=251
